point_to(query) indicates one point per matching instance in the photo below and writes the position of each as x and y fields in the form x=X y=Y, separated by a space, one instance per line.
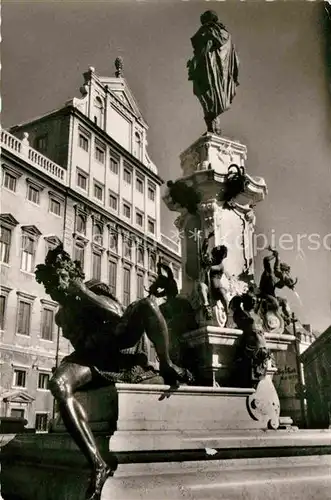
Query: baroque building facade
x=80 y=175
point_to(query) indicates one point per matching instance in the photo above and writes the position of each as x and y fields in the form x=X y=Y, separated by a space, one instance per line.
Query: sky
x=282 y=110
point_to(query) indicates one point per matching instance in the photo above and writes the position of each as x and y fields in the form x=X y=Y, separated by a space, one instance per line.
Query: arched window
x=81 y=224
x=113 y=241
x=98 y=111
x=137 y=146
x=97 y=234
x=127 y=248
x=152 y=263
x=140 y=256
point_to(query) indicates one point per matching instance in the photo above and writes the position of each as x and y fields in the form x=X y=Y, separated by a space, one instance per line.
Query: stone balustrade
x=38 y=160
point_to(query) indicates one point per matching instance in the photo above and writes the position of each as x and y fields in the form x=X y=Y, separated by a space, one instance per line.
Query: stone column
x=205 y=168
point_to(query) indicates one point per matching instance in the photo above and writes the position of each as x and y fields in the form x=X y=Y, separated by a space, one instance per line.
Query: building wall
x=317 y=369
x=28 y=352
x=49 y=136
x=121 y=245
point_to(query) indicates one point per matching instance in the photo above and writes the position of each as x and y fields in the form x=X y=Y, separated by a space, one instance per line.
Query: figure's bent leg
x=157 y=332
x=224 y=301
x=202 y=290
x=67 y=379
x=203 y=293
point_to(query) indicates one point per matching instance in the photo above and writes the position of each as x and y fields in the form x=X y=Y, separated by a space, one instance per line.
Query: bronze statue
x=210 y=287
x=273 y=278
x=252 y=354
x=213 y=69
x=184 y=196
x=108 y=347
x=235 y=184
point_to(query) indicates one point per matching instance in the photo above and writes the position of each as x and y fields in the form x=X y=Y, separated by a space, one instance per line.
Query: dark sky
x=282 y=110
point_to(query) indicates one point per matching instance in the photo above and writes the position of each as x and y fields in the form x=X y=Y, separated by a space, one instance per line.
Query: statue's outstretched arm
x=277 y=270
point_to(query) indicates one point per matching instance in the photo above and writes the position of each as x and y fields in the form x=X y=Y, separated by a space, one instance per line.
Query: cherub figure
x=277 y=277
x=252 y=354
x=210 y=287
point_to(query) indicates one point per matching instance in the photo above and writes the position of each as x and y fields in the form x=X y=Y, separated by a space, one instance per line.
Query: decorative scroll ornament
x=263 y=404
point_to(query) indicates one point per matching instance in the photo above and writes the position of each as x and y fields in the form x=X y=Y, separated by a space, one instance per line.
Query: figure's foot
x=97 y=481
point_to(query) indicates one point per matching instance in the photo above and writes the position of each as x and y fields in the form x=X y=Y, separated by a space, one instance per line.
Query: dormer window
x=137 y=146
x=40 y=143
x=98 y=111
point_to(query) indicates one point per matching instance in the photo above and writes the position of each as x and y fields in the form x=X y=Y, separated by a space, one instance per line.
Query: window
x=40 y=143
x=140 y=185
x=33 y=194
x=176 y=272
x=23 y=317
x=139 y=219
x=140 y=256
x=137 y=146
x=51 y=242
x=151 y=193
x=28 y=253
x=47 y=322
x=79 y=253
x=127 y=175
x=112 y=277
x=126 y=286
x=152 y=263
x=98 y=111
x=19 y=378
x=127 y=249
x=17 y=413
x=83 y=142
x=113 y=201
x=41 y=424
x=113 y=165
x=126 y=210
x=96 y=266
x=82 y=180
x=151 y=226
x=3 y=300
x=81 y=224
x=43 y=381
x=98 y=234
x=140 y=286
x=98 y=191
x=99 y=154
x=5 y=241
x=54 y=206
x=9 y=181
x=113 y=241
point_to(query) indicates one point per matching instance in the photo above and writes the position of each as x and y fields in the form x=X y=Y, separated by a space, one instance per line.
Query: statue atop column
x=213 y=69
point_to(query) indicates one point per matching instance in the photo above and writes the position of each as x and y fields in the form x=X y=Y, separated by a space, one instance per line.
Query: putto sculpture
x=210 y=287
x=108 y=347
x=273 y=310
x=213 y=69
x=252 y=355
x=273 y=278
